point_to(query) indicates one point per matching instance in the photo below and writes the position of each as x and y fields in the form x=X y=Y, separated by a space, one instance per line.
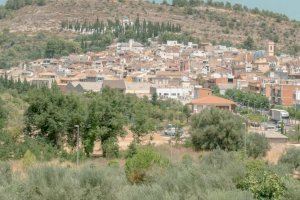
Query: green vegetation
x=17 y=4
x=294 y=134
x=182 y=38
x=292 y=158
x=19 y=48
x=248 y=98
x=217 y=175
x=249 y=44
x=257 y=145
x=52 y=116
x=101 y=34
x=252 y=115
x=263 y=183
x=215 y=128
x=29 y=159
x=14 y=148
x=57 y=47
x=139 y=166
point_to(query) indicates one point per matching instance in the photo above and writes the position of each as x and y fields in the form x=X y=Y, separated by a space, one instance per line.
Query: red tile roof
x=212 y=100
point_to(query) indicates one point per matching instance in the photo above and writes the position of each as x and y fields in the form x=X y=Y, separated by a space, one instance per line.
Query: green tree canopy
x=257 y=145
x=215 y=128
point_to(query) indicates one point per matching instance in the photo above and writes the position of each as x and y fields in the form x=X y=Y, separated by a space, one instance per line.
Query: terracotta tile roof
x=212 y=100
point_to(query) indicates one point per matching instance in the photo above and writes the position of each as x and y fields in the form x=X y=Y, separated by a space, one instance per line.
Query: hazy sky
x=289 y=7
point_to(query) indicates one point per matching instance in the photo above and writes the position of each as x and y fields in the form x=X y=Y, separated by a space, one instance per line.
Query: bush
x=137 y=167
x=215 y=128
x=292 y=158
x=110 y=148
x=132 y=150
x=28 y=159
x=263 y=183
x=11 y=148
x=257 y=145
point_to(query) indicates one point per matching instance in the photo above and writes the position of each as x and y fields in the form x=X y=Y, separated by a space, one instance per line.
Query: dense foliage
x=18 y=49
x=257 y=145
x=101 y=117
x=292 y=158
x=53 y=115
x=139 y=165
x=13 y=143
x=98 y=35
x=248 y=98
x=215 y=128
x=57 y=47
x=263 y=183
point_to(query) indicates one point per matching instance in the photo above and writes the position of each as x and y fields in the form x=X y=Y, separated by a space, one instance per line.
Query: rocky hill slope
x=209 y=24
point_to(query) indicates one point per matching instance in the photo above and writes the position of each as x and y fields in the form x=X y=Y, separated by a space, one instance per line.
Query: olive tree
x=257 y=145
x=216 y=129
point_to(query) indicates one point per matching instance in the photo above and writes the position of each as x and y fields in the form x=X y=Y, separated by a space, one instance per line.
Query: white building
x=172 y=43
x=131 y=45
x=181 y=94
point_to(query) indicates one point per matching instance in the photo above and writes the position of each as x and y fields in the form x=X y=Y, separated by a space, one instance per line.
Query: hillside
x=208 y=23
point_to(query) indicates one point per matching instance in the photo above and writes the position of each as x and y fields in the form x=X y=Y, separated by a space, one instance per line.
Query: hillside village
x=197 y=75
x=172 y=70
x=130 y=100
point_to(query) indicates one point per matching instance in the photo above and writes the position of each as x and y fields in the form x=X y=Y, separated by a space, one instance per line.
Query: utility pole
x=77 y=145
x=245 y=134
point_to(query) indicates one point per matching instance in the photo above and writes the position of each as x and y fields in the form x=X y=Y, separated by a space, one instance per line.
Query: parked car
x=172 y=130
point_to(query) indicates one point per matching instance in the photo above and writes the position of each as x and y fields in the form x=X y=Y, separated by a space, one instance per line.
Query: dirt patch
x=277 y=150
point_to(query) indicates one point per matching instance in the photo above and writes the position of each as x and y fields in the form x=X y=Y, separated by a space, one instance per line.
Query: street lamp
x=77 y=145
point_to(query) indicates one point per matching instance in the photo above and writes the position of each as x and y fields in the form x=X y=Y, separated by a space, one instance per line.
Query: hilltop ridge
x=208 y=23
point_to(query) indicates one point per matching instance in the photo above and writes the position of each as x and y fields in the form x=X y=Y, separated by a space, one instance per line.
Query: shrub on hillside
x=257 y=145
x=29 y=159
x=132 y=150
x=3 y=114
x=215 y=128
x=110 y=148
x=137 y=168
x=292 y=158
x=263 y=183
x=12 y=148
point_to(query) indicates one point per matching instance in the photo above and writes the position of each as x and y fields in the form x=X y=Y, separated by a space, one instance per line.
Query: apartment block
x=287 y=94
